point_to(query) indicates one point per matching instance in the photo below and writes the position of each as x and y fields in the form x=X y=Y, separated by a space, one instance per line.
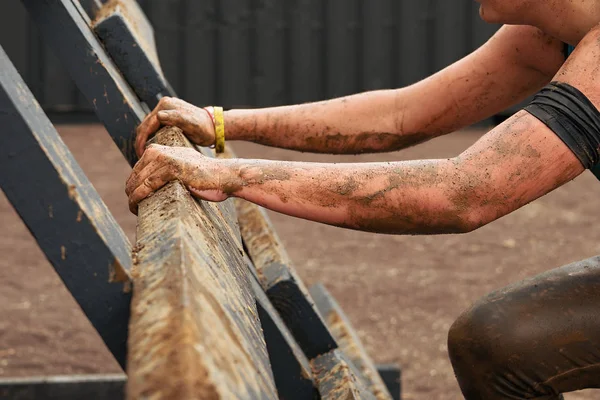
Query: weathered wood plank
x=72 y=387
x=281 y=283
x=63 y=211
x=194 y=330
x=291 y=368
x=66 y=29
x=128 y=37
x=337 y=378
x=349 y=342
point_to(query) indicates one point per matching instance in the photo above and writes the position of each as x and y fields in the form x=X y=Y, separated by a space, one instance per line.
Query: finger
x=171 y=118
x=154 y=180
x=151 y=155
x=185 y=120
x=146 y=128
x=151 y=124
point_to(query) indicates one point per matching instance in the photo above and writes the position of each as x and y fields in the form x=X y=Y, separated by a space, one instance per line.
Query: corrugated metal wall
x=268 y=52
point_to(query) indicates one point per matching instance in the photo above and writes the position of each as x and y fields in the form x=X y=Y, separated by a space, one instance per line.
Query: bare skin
x=511 y=166
x=514 y=64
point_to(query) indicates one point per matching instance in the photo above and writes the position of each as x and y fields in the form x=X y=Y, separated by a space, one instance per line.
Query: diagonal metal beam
x=128 y=37
x=281 y=282
x=63 y=211
x=349 y=342
x=65 y=26
x=291 y=368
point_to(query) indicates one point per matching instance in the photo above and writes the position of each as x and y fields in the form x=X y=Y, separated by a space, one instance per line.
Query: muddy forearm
x=485 y=82
x=402 y=197
x=512 y=165
x=369 y=122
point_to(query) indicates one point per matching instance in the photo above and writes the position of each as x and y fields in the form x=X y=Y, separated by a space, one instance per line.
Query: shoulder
x=582 y=68
x=530 y=48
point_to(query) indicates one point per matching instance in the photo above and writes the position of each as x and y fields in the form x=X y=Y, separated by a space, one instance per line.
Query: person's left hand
x=203 y=176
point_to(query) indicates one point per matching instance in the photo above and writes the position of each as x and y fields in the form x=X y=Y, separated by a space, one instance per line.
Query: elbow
x=470 y=220
x=472 y=209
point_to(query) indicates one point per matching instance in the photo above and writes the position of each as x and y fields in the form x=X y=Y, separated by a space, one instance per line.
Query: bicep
x=522 y=159
x=515 y=63
x=514 y=164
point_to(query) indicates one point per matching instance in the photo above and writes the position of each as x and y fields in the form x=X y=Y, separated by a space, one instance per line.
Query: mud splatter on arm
x=515 y=63
x=509 y=167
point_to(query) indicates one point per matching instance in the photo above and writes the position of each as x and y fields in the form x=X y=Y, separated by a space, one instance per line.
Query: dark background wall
x=270 y=52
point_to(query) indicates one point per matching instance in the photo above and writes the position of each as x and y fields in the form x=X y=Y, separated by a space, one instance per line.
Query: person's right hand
x=195 y=123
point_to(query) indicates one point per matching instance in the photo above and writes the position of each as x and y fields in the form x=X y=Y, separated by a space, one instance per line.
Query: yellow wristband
x=219 y=129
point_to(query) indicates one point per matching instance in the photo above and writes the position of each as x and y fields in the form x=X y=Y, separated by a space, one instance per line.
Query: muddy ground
x=401 y=292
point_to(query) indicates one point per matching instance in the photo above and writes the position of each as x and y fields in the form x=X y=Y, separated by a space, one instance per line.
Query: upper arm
x=512 y=165
x=522 y=159
x=515 y=63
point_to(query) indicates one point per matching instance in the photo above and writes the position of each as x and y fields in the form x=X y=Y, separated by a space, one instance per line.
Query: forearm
x=514 y=164
x=499 y=74
x=402 y=197
x=368 y=122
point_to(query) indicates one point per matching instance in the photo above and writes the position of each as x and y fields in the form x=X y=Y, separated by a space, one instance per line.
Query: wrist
x=230 y=180
x=240 y=124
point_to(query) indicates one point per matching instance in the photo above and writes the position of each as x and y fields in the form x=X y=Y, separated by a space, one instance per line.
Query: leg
x=532 y=340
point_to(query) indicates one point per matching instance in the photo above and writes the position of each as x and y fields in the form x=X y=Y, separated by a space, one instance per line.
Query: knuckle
x=165 y=103
x=148 y=182
x=152 y=149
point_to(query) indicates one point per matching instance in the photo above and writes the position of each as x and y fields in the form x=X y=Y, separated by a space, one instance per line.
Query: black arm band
x=573 y=117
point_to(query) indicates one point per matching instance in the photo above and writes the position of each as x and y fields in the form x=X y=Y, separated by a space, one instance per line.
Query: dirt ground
x=401 y=292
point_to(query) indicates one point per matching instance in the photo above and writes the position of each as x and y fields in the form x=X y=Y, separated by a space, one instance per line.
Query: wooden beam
x=338 y=379
x=63 y=211
x=128 y=37
x=65 y=27
x=291 y=368
x=281 y=282
x=349 y=342
x=72 y=387
x=194 y=330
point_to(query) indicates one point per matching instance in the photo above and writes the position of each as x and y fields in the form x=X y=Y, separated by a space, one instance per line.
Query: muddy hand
x=195 y=122
x=204 y=177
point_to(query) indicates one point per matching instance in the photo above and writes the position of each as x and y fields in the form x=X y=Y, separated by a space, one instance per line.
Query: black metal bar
x=392 y=377
x=91 y=7
x=129 y=39
x=63 y=211
x=348 y=340
x=281 y=283
x=63 y=25
x=74 y=387
x=291 y=368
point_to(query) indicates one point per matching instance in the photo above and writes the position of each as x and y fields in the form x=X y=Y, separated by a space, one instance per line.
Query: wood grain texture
x=337 y=379
x=281 y=282
x=349 y=342
x=194 y=329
